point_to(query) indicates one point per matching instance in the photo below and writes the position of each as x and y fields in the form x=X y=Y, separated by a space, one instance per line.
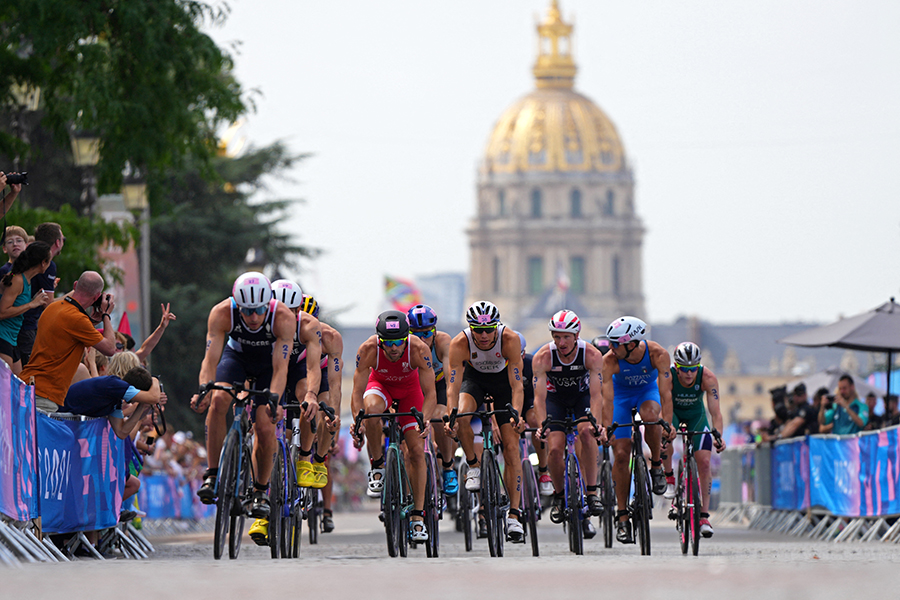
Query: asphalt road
x=352 y=562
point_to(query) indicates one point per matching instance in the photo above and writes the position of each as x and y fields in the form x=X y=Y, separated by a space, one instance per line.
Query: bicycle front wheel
x=276 y=501
x=228 y=472
x=314 y=516
x=242 y=494
x=490 y=499
x=574 y=502
x=530 y=504
x=642 y=505
x=390 y=502
x=608 y=498
x=465 y=505
x=681 y=510
x=432 y=500
x=696 y=505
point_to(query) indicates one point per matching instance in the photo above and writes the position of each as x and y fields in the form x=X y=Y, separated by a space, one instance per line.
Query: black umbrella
x=877 y=330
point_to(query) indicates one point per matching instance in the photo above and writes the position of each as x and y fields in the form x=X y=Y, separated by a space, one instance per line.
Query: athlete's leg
x=415 y=462
x=652 y=433
x=263 y=444
x=702 y=458
x=622 y=472
x=512 y=459
x=556 y=444
x=216 y=425
x=588 y=454
x=464 y=431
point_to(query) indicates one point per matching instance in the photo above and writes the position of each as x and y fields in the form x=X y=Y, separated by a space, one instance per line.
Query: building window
x=609 y=209
x=535 y=275
x=496 y=274
x=616 y=277
x=732 y=389
x=536 y=203
x=501 y=203
x=575 y=203
x=758 y=389
x=576 y=274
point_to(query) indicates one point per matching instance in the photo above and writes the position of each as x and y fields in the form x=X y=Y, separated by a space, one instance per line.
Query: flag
x=402 y=294
x=124 y=325
x=562 y=278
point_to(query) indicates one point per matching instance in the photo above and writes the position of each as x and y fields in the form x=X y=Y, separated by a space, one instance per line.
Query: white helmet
x=483 y=314
x=565 y=321
x=626 y=329
x=288 y=292
x=252 y=290
x=687 y=354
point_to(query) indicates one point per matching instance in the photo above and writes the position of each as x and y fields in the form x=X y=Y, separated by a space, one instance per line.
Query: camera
x=829 y=401
x=17 y=178
x=99 y=301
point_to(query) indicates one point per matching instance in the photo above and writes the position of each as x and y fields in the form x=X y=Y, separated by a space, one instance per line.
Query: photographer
x=64 y=330
x=11 y=196
x=843 y=413
x=52 y=235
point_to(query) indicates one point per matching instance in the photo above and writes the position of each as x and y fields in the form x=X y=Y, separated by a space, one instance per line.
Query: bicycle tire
x=290 y=510
x=642 y=505
x=696 y=505
x=390 y=503
x=490 y=499
x=530 y=505
x=228 y=466
x=464 y=506
x=574 y=502
x=431 y=508
x=405 y=504
x=314 y=516
x=276 y=501
x=608 y=498
x=242 y=496
x=681 y=502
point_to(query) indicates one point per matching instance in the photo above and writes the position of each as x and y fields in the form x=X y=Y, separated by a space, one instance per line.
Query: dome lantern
x=555 y=67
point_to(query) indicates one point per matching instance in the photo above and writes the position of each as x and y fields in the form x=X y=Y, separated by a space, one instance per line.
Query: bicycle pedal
x=381 y=517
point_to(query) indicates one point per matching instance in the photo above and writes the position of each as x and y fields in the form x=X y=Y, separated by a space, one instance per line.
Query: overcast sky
x=764 y=137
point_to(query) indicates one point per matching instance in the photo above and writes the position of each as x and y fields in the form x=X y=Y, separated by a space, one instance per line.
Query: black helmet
x=392 y=325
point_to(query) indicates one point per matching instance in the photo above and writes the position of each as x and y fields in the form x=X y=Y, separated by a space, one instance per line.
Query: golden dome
x=554 y=128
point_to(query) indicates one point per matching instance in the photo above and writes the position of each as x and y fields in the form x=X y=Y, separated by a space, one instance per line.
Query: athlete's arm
x=335 y=367
x=217 y=327
x=512 y=352
x=710 y=385
x=540 y=364
x=311 y=336
x=420 y=355
x=659 y=358
x=442 y=346
x=459 y=350
x=593 y=360
x=609 y=366
x=283 y=328
x=365 y=361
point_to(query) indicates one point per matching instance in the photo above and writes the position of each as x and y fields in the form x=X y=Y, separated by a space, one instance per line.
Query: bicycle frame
x=574 y=514
x=688 y=495
x=531 y=513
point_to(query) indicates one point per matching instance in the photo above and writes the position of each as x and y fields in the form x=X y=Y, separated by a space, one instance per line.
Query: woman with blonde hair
x=122 y=362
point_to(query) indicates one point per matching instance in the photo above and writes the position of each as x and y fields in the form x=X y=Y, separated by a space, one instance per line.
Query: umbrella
x=829 y=379
x=877 y=330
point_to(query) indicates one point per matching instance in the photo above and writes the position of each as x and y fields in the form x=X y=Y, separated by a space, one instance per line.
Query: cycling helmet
x=421 y=316
x=565 y=321
x=288 y=292
x=687 y=354
x=626 y=329
x=309 y=305
x=601 y=344
x=392 y=325
x=252 y=290
x=483 y=314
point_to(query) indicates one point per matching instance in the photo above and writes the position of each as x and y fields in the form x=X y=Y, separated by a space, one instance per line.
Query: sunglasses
x=259 y=310
x=423 y=334
x=488 y=329
x=614 y=344
x=120 y=346
x=392 y=343
x=684 y=369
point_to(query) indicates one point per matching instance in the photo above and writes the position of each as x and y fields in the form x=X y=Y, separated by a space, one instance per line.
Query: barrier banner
x=879 y=473
x=790 y=475
x=834 y=474
x=165 y=497
x=18 y=490
x=81 y=474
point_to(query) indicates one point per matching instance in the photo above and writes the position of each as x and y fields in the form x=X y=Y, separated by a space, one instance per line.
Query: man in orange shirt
x=65 y=329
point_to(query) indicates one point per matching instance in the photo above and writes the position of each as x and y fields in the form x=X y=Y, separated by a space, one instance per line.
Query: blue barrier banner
x=790 y=475
x=82 y=474
x=834 y=474
x=878 y=473
x=18 y=479
x=165 y=497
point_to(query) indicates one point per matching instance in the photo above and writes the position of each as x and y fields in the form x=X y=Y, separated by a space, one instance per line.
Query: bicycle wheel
x=681 y=504
x=228 y=469
x=530 y=505
x=406 y=504
x=490 y=499
x=242 y=496
x=608 y=498
x=276 y=501
x=431 y=508
x=574 y=503
x=314 y=516
x=642 y=504
x=288 y=526
x=464 y=507
x=695 y=498
x=390 y=502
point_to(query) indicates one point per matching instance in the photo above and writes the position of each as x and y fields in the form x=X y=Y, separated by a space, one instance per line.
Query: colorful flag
x=124 y=325
x=401 y=293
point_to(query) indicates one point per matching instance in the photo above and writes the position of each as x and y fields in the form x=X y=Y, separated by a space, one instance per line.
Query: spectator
x=9 y=198
x=152 y=340
x=104 y=397
x=122 y=362
x=875 y=421
x=802 y=419
x=891 y=411
x=65 y=329
x=14 y=241
x=16 y=299
x=848 y=414
x=52 y=235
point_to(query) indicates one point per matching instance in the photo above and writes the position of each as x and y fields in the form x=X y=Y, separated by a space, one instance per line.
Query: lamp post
x=86 y=152
x=134 y=195
x=27 y=99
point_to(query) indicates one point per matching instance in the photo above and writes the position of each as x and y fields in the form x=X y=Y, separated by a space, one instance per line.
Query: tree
x=199 y=244
x=141 y=73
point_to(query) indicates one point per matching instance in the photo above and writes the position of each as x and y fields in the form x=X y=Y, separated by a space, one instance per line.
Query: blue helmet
x=421 y=316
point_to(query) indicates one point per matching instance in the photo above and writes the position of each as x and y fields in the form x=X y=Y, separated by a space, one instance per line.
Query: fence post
x=762 y=479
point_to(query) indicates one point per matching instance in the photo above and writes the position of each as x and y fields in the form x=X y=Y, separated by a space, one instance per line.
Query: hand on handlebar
x=450 y=425
x=718 y=442
x=200 y=401
x=310 y=409
x=358 y=430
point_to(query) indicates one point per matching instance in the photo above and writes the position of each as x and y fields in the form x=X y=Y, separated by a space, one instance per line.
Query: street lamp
x=27 y=99
x=86 y=152
x=134 y=195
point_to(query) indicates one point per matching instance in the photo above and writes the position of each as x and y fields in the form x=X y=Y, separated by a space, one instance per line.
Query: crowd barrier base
x=823 y=526
x=735 y=513
x=18 y=543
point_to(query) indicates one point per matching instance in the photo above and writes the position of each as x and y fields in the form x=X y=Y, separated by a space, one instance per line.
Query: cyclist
x=249 y=334
x=486 y=360
x=306 y=334
x=601 y=343
x=567 y=382
x=690 y=381
x=635 y=374
x=392 y=365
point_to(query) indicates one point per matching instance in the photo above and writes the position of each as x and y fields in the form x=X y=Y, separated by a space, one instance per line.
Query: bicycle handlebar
x=236 y=389
x=612 y=428
x=357 y=421
x=484 y=414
